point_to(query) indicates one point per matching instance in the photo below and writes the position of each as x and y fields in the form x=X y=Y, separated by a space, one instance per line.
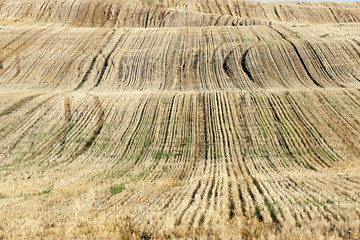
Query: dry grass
x=179 y=120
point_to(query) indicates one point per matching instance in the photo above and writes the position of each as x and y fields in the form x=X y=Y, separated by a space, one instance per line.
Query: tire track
x=299 y=57
x=94 y=60
x=97 y=130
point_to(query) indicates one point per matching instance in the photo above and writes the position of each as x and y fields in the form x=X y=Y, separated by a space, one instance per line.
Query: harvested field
x=179 y=119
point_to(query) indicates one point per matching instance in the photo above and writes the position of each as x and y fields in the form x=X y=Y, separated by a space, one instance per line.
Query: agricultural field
x=199 y=119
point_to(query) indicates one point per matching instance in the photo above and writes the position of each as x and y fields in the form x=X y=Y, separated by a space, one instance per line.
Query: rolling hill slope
x=179 y=119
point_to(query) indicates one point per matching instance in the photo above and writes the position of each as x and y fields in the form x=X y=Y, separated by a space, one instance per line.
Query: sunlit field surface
x=200 y=119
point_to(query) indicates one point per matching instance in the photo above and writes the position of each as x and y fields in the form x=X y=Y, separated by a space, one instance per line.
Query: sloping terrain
x=179 y=119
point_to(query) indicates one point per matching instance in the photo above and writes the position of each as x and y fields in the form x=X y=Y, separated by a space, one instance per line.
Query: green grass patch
x=117 y=189
x=310 y=166
x=258 y=213
x=48 y=190
x=271 y=210
x=161 y=154
x=324 y=35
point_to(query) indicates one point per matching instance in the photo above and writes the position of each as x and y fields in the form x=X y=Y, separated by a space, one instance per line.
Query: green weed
x=324 y=35
x=117 y=189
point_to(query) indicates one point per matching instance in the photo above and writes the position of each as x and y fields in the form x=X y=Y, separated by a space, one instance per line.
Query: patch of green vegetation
x=258 y=213
x=299 y=152
x=202 y=219
x=271 y=210
x=117 y=189
x=48 y=190
x=160 y=154
x=2 y=196
x=243 y=209
x=324 y=35
x=310 y=166
x=211 y=188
